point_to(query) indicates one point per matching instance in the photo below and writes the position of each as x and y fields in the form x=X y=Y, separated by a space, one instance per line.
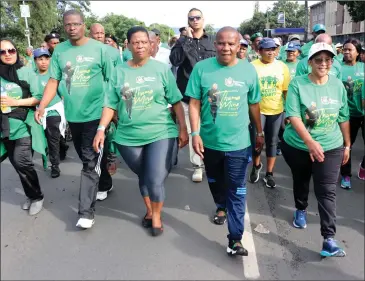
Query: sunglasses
x=319 y=61
x=9 y=51
x=192 y=18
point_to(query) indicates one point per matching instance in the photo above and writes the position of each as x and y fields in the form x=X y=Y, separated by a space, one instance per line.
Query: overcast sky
x=174 y=13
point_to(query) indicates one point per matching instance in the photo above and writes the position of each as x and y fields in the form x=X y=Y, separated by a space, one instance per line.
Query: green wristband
x=194 y=134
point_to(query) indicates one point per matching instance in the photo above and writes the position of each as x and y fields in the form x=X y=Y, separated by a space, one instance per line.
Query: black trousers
x=20 y=155
x=53 y=135
x=94 y=173
x=355 y=124
x=325 y=176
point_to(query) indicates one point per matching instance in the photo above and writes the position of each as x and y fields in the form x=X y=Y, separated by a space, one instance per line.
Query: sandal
x=220 y=220
x=146 y=223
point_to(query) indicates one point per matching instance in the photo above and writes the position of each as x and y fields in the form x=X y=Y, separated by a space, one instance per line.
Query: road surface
x=49 y=246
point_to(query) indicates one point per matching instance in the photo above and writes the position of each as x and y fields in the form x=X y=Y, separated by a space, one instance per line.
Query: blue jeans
x=152 y=164
x=226 y=174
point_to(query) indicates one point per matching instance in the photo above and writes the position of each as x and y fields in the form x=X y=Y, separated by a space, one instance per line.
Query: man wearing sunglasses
x=188 y=50
x=304 y=68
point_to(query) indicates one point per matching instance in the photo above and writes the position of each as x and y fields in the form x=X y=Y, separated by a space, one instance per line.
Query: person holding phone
x=188 y=50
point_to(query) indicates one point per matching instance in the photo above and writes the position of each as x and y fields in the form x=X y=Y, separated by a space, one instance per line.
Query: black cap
x=51 y=36
x=156 y=31
x=181 y=29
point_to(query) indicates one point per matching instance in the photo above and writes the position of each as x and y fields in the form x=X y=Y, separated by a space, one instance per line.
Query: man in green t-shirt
x=317 y=30
x=253 y=54
x=223 y=90
x=79 y=69
x=304 y=68
x=127 y=55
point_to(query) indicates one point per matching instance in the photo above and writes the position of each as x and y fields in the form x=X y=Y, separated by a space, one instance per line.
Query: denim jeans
x=226 y=174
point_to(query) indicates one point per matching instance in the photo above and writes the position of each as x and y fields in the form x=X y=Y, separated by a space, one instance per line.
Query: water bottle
x=4 y=109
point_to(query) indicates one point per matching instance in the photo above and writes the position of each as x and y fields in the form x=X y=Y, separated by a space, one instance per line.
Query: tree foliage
x=166 y=32
x=209 y=29
x=356 y=9
x=294 y=17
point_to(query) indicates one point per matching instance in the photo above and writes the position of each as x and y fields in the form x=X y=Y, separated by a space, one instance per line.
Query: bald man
x=157 y=52
x=223 y=90
x=303 y=68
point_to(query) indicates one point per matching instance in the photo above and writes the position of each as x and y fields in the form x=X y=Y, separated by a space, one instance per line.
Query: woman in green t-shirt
x=317 y=108
x=353 y=80
x=140 y=91
x=18 y=86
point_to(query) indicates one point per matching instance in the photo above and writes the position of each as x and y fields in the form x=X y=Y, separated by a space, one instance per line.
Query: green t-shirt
x=353 y=80
x=225 y=93
x=18 y=129
x=43 y=79
x=292 y=68
x=141 y=95
x=252 y=55
x=304 y=68
x=339 y=57
x=114 y=55
x=82 y=72
x=321 y=108
x=127 y=55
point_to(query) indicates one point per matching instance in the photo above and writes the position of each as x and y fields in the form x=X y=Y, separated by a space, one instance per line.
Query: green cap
x=319 y=27
x=257 y=34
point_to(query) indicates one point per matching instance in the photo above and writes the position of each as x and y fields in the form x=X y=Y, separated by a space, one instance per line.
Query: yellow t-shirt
x=274 y=78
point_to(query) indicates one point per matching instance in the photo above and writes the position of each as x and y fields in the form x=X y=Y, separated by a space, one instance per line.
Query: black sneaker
x=63 y=151
x=235 y=248
x=55 y=172
x=220 y=220
x=255 y=173
x=269 y=180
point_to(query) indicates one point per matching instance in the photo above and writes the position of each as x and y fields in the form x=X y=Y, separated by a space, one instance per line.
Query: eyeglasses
x=75 y=24
x=8 y=51
x=319 y=61
x=192 y=18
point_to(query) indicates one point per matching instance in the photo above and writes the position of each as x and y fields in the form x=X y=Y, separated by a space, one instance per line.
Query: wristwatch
x=260 y=134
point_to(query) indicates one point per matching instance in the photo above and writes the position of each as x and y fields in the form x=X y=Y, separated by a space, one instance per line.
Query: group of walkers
x=225 y=96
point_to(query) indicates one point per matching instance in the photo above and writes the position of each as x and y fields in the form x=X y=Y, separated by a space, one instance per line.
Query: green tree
x=210 y=29
x=294 y=17
x=356 y=9
x=166 y=31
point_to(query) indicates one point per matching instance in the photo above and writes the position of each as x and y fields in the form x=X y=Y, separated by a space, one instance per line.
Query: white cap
x=338 y=45
x=319 y=47
x=277 y=41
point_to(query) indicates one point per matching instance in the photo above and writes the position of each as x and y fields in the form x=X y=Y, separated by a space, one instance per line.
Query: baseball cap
x=319 y=47
x=243 y=42
x=254 y=36
x=41 y=52
x=156 y=31
x=51 y=36
x=292 y=46
x=277 y=41
x=338 y=45
x=319 y=27
x=267 y=43
x=293 y=37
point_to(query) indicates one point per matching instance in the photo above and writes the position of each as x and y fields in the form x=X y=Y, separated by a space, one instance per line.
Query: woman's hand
x=8 y=101
x=183 y=137
x=99 y=140
x=316 y=151
x=346 y=156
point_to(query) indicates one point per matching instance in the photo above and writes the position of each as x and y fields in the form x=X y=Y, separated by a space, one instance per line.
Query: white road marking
x=250 y=265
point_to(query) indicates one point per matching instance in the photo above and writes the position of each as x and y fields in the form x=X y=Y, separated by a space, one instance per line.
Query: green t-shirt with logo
x=292 y=68
x=353 y=80
x=82 y=72
x=304 y=68
x=114 y=55
x=18 y=129
x=225 y=93
x=127 y=55
x=43 y=79
x=141 y=95
x=339 y=57
x=321 y=108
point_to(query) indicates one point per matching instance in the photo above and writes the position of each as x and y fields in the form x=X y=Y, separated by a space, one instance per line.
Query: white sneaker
x=85 y=223
x=26 y=204
x=102 y=195
x=197 y=175
x=36 y=207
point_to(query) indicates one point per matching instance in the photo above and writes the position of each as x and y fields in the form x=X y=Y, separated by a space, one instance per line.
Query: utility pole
x=24 y=11
x=306 y=21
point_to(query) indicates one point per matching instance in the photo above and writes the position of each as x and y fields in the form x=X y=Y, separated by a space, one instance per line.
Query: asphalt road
x=49 y=246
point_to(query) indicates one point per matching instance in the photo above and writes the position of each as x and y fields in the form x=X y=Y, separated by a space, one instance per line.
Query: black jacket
x=186 y=53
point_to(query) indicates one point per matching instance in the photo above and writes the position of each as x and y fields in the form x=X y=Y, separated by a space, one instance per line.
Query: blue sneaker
x=278 y=152
x=300 y=219
x=346 y=182
x=330 y=249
